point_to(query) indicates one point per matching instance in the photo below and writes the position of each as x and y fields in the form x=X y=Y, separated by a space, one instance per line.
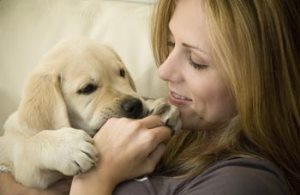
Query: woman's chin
x=192 y=121
x=190 y=126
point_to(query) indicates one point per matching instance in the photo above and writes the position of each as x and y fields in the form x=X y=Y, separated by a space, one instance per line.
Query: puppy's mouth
x=90 y=127
x=132 y=108
x=105 y=118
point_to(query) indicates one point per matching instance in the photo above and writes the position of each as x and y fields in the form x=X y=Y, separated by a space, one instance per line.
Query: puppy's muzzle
x=133 y=108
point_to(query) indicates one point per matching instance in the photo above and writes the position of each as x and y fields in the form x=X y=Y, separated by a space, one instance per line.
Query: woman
x=232 y=69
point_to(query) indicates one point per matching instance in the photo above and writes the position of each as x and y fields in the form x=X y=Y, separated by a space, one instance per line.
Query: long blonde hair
x=256 y=46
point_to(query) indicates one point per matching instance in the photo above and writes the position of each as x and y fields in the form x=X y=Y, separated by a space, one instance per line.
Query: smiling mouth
x=178 y=100
x=179 y=97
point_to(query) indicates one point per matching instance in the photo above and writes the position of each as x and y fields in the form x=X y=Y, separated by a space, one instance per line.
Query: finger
x=111 y=121
x=155 y=137
x=62 y=185
x=162 y=134
x=155 y=157
x=152 y=121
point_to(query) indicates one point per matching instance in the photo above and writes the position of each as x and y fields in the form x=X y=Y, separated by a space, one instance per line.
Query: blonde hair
x=256 y=47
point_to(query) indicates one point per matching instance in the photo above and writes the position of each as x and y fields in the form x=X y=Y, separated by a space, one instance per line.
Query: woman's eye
x=195 y=65
x=88 y=89
x=122 y=73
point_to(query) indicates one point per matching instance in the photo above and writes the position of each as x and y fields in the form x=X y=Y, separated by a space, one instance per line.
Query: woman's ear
x=42 y=105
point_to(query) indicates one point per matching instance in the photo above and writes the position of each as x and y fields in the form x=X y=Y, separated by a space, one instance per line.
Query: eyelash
x=195 y=65
x=171 y=45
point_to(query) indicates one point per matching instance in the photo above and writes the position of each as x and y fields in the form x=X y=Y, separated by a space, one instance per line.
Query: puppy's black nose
x=133 y=108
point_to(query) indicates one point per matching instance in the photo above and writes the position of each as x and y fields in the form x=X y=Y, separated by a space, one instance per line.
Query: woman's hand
x=8 y=186
x=131 y=148
x=128 y=148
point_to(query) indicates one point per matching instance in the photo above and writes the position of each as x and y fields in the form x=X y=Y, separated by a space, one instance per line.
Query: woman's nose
x=168 y=70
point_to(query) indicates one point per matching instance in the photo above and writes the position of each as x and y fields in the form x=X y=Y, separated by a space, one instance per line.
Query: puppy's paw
x=169 y=114
x=76 y=153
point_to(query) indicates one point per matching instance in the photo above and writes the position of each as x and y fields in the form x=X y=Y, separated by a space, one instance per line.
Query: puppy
x=77 y=86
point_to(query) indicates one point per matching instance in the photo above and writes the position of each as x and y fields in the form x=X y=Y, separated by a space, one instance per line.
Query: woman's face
x=195 y=85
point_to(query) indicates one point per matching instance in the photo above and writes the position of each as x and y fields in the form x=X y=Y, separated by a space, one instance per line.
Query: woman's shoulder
x=235 y=176
x=239 y=176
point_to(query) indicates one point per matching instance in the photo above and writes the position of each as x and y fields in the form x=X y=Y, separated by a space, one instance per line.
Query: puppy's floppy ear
x=42 y=105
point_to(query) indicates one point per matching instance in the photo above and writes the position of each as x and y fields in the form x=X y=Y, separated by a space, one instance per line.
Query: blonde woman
x=232 y=68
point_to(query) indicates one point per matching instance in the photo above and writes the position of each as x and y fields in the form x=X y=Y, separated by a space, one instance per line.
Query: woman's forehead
x=188 y=25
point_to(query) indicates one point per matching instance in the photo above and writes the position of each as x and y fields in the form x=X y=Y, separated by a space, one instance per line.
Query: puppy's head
x=81 y=84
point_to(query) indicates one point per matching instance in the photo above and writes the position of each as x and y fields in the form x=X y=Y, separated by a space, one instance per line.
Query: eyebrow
x=194 y=47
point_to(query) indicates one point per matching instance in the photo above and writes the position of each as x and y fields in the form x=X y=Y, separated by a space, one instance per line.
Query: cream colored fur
x=50 y=134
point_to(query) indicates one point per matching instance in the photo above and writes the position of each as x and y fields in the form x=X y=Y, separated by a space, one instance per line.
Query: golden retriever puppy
x=77 y=86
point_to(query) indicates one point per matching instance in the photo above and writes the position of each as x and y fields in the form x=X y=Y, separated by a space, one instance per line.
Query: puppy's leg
x=169 y=114
x=41 y=158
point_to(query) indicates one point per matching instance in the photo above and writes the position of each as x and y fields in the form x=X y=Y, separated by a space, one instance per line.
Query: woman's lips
x=178 y=100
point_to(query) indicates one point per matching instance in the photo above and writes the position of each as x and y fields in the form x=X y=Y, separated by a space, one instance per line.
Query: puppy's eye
x=122 y=72
x=88 y=89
